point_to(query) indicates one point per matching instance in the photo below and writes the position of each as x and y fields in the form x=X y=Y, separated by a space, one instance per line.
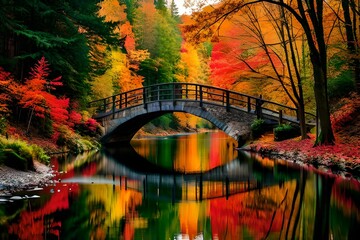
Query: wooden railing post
x=158 y=92
x=120 y=104
x=173 y=93
x=227 y=101
x=113 y=106
x=248 y=104
x=259 y=102
x=126 y=101
x=201 y=97
x=144 y=98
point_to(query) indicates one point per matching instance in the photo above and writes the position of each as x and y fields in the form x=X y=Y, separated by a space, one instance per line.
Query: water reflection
x=227 y=196
x=188 y=153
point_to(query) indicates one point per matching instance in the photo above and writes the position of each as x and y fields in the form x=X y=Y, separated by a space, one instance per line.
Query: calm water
x=183 y=187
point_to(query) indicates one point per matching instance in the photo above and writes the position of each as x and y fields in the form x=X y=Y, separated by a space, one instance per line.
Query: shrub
x=258 y=127
x=286 y=131
x=14 y=160
x=19 y=155
x=23 y=150
x=204 y=124
x=167 y=121
x=90 y=128
x=72 y=141
x=40 y=154
x=341 y=85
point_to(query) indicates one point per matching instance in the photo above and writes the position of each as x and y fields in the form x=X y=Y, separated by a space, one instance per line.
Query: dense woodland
x=55 y=56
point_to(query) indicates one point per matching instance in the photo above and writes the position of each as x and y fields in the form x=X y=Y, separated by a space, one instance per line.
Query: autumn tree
x=37 y=97
x=309 y=15
x=281 y=51
x=123 y=59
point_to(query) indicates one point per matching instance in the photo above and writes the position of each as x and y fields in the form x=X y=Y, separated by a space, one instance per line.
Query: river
x=195 y=186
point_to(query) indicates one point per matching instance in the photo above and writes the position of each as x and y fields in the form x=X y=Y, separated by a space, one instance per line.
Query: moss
x=14 y=160
x=286 y=131
x=17 y=151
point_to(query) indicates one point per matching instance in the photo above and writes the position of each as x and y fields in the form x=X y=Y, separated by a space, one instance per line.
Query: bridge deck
x=202 y=94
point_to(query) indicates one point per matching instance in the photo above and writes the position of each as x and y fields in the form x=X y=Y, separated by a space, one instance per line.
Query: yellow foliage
x=112 y=11
x=102 y=87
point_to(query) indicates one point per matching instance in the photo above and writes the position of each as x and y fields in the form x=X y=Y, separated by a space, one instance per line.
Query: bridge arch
x=122 y=115
x=124 y=124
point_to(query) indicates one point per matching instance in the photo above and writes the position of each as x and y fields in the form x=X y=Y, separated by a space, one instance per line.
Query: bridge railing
x=194 y=92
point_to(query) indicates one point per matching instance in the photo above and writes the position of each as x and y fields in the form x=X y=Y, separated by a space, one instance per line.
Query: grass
x=20 y=155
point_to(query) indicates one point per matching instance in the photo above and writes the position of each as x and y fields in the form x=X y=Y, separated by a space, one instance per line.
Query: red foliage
x=74 y=118
x=37 y=97
x=347 y=152
x=238 y=213
x=92 y=124
x=346 y=113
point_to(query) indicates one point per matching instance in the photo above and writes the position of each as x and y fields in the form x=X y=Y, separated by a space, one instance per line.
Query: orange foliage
x=112 y=11
x=8 y=90
x=126 y=30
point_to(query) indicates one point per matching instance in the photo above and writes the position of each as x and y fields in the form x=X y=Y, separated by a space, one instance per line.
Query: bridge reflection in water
x=240 y=175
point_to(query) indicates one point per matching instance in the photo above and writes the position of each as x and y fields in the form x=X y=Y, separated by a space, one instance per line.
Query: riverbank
x=12 y=180
x=37 y=150
x=341 y=159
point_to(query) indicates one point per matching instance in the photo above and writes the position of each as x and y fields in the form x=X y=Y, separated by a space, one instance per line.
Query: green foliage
x=258 y=127
x=341 y=85
x=73 y=142
x=204 y=124
x=131 y=6
x=13 y=160
x=16 y=152
x=65 y=32
x=206 y=48
x=23 y=150
x=40 y=154
x=167 y=121
x=157 y=31
x=286 y=131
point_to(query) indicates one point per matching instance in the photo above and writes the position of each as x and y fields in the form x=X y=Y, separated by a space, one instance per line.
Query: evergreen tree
x=157 y=32
x=63 y=31
x=131 y=6
x=174 y=11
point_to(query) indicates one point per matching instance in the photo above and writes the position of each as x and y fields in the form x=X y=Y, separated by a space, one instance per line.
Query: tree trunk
x=326 y=136
x=302 y=120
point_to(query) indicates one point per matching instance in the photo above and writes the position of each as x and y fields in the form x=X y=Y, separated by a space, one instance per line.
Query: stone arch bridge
x=122 y=115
